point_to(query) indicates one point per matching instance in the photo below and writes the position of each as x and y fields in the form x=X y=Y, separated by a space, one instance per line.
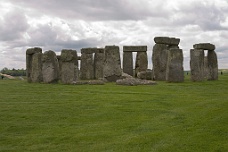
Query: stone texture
x=197 y=64
x=87 y=66
x=175 y=70
x=134 y=82
x=50 y=67
x=36 y=72
x=69 y=66
x=206 y=69
x=204 y=46
x=167 y=40
x=34 y=64
x=134 y=48
x=212 y=66
x=112 y=65
x=128 y=63
x=99 y=64
x=159 y=59
x=141 y=62
x=147 y=75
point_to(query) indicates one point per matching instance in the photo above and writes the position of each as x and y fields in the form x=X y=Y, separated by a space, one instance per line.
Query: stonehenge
x=175 y=70
x=50 y=67
x=100 y=65
x=163 y=51
x=141 y=63
x=92 y=63
x=203 y=67
x=69 y=71
x=34 y=65
x=112 y=63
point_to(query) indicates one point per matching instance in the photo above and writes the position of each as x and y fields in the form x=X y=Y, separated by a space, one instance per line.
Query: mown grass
x=162 y=118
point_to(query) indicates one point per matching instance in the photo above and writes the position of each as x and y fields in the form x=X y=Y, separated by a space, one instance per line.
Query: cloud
x=56 y=24
x=13 y=25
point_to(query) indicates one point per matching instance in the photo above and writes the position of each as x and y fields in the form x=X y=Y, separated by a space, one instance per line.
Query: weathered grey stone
x=159 y=59
x=206 y=69
x=134 y=82
x=112 y=65
x=99 y=64
x=175 y=70
x=50 y=67
x=197 y=64
x=36 y=68
x=87 y=67
x=212 y=66
x=147 y=75
x=69 y=66
x=29 y=64
x=167 y=40
x=60 y=65
x=141 y=62
x=91 y=50
x=128 y=63
x=204 y=46
x=125 y=75
x=134 y=48
x=96 y=82
x=34 y=50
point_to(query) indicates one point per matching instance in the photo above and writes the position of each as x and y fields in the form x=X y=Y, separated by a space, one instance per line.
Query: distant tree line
x=14 y=72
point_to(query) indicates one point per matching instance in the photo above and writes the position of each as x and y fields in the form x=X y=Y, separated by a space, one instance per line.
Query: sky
x=75 y=24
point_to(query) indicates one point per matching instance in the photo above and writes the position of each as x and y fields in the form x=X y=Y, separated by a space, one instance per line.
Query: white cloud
x=57 y=24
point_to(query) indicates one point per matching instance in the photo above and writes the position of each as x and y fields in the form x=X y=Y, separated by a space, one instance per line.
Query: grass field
x=167 y=117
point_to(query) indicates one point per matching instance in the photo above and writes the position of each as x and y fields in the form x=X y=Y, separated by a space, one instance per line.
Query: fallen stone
x=134 y=82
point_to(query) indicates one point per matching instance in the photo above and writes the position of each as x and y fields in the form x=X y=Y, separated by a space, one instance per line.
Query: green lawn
x=178 y=117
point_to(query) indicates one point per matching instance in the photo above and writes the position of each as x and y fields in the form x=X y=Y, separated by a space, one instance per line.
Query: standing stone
x=99 y=64
x=34 y=64
x=112 y=65
x=206 y=69
x=159 y=59
x=128 y=63
x=197 y=64
x=141 y=63
x=87 y=68
x=69 y=68
x=212 y=66
x=175 y=72
x=50 y=67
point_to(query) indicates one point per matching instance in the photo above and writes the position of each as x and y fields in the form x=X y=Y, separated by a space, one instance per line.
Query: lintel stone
x=167 y=40
x=134 y=48
x=205 y=46
x=92 y=50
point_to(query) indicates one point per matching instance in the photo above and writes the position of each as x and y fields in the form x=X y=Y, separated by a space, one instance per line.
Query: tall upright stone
x=159 y=60
x=128 y=63
x=34 y=64
x=112 y=65
x=206 y=69
x=99 y=63
x=212 y=66
x=141 y=63
x=197 y=64
x=69 y=66
x=87 y=64
x=175 y=70
x=50 y=67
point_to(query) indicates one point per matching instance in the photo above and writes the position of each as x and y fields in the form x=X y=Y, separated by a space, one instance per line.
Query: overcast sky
x=75 y=24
